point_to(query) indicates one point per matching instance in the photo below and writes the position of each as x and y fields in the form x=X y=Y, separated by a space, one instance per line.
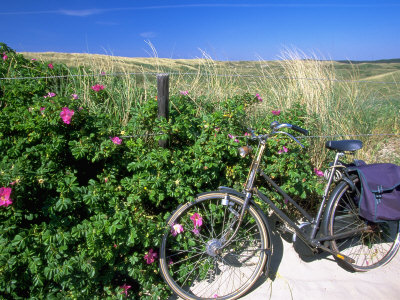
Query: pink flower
x=115 y=246
x=125 y=288
x=150 y=256
x=116 y=140
x=259 y=97
x=75 y=96
x=233 y=138
x=5 y=57
x=66 y=115
x=247 y=134
x=276 y=112
x=196 y=231
x=97 y=87
x=185 y=93
x=49 y=95
x=5 y=193
x=50 y=65
x=197 y=220
x=284 y=150
x=33 y=59
x=319 y=173
x=176 y=229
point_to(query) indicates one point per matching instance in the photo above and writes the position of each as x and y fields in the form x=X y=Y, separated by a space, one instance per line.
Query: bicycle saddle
x=344 y=145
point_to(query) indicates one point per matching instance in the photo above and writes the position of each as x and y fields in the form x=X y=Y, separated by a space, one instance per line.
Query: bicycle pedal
x=338 y=255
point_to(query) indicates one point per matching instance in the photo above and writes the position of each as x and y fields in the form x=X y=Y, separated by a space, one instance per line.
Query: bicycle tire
x=189 y=262
x=370 y=249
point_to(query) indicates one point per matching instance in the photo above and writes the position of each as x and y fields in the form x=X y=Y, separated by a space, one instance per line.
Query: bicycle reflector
x=244 y=151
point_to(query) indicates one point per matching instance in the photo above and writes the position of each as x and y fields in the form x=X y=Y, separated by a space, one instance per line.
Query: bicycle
x=220 y=244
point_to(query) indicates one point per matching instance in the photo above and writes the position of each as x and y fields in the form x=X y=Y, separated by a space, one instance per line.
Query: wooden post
x=163 y=101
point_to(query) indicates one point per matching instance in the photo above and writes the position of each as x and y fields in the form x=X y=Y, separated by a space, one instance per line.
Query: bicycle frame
x=310 y=239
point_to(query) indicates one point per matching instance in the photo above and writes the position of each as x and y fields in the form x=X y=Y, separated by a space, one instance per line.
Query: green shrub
x=86 y=208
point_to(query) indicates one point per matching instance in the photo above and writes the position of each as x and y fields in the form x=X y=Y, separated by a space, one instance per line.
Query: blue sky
x=225 y=30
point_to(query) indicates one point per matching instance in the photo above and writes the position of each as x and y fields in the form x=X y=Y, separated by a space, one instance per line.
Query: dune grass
x=340 y=98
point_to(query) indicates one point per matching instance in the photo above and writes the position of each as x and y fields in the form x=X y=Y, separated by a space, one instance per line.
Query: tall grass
x=334 y=106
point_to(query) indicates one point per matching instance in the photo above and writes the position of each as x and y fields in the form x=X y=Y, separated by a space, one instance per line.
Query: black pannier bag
x=380 y=191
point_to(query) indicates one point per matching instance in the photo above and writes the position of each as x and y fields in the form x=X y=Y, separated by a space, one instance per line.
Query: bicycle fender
x=228 y=190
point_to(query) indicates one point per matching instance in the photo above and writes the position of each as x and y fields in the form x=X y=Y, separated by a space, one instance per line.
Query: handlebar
x=299 y=129
x=275 y=126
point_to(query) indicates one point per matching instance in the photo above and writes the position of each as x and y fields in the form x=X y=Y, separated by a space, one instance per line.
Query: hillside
x=381 y=70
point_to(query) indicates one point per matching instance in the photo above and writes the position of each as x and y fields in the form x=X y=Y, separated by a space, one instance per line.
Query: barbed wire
x=199 y=74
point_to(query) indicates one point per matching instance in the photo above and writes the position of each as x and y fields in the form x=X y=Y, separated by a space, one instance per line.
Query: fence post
x=163 y=101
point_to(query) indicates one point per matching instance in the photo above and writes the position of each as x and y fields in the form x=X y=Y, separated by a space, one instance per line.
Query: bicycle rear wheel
x=191 y=261
x=369 y=249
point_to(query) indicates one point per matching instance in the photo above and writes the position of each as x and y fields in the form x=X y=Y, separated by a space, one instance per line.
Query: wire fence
x=334 y=136
x=221 y=75
x=198 y=74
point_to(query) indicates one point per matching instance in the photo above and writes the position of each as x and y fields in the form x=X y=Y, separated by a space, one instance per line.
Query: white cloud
x=82 y=12
x=148 y=35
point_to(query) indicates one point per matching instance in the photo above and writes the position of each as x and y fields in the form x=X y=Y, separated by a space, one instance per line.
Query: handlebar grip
x=299 y=129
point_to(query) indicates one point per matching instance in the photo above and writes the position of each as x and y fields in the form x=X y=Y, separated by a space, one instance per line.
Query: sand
x=320 y=277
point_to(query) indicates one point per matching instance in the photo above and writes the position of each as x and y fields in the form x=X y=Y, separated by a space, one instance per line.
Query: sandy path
x=320 y=277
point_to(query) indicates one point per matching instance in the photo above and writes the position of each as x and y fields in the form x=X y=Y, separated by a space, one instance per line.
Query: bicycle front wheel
x=369 y=249
x=192 y=261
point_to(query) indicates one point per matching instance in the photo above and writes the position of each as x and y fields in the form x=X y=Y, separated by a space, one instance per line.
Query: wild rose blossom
x=97 y=87
x=233 y=138
x=50 y=65
x=66 y=115
x=50 y=95
x=276 y=112
x=125 y=288
x=283 y=150
x=197 y=220
x=75 y=96
x=116 y=140
x=176 y=229
x=319 y=173
x=5 y=193
x=150 y=256
x=259 y=97
x=196 y=231
x=5 y=57
x=184 y=93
